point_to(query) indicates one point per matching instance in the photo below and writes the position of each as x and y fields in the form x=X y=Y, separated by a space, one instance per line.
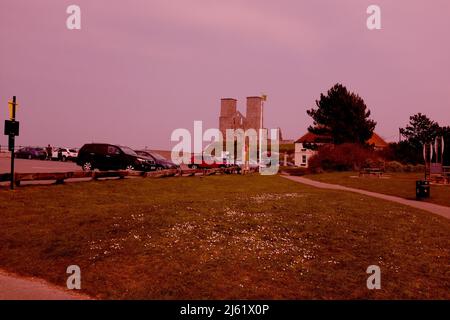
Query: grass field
x=397 y=184
x=222 y=237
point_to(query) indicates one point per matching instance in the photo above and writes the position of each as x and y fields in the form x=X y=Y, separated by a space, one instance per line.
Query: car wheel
x=30 y=157
x=130 y=167
x=64 y=159
x=194 y=166
x=87 y=166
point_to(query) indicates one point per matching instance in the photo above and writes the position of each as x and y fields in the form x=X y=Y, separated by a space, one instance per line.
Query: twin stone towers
x=231 y=118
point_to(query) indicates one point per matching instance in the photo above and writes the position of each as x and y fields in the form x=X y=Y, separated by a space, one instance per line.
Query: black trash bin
x=422 y=189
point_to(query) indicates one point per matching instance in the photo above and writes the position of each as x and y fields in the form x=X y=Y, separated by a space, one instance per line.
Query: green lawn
x=397 y=184
x=223 y=237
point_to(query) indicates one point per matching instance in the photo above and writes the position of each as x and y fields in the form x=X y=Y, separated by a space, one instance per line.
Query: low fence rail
x=60 y=177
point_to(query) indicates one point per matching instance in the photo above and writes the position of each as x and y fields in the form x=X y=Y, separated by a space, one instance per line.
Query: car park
x=31 y=153
x=105 y=156
x=161 y=162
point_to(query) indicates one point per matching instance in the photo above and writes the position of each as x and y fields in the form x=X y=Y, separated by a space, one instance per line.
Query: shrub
x=343 y=157
x=293 y=171
x=371 y=163
x=402 y=152
x=408 y=168
x=394 y=166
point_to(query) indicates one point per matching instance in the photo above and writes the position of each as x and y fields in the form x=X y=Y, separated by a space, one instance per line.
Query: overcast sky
x=138 y=69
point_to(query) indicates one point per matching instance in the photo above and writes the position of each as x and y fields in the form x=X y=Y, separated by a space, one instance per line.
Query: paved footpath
x=16 y=288
x=430 y=207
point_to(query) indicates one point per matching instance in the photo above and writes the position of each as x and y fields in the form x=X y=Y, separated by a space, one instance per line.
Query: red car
x=206 y=162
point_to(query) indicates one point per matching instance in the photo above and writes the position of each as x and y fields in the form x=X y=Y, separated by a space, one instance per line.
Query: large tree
x=420 y=130
x=343 y=116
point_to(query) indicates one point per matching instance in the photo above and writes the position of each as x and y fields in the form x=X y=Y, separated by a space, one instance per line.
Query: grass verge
x=397 y=184
x=224 y=237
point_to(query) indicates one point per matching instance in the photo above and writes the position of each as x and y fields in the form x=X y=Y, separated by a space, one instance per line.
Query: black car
x=160 y=161
x=31 y=153
x=105 y=156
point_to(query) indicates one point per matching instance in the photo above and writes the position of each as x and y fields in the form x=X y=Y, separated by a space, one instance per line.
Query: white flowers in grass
x=231 y=232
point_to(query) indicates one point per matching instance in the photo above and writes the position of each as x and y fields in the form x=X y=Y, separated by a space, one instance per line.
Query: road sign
x=11 y=128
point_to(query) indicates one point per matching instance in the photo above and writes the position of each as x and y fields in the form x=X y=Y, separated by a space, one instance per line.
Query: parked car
x=252 y=164
x=64 y=154
x=160 y=161
x=206 y=162
x=104 y=156
x=31 y=153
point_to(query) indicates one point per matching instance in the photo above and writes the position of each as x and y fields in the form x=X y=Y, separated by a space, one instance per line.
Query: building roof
x=313 y=138
x=377 y=141
x=309 y=137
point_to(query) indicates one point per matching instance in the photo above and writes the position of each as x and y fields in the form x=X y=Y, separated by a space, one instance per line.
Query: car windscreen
x=128 y=151
x=142 y=153
x=157 y=156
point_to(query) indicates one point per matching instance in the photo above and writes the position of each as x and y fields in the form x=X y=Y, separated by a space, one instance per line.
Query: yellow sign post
x=12 y=106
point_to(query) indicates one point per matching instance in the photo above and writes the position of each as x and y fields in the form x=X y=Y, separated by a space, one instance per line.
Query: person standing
x=49 y=152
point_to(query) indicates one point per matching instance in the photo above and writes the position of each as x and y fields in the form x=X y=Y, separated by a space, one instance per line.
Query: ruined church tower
x=231 y=118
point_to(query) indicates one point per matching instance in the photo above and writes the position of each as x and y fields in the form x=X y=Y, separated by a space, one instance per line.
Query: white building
x=302 y=155
x=304 y=149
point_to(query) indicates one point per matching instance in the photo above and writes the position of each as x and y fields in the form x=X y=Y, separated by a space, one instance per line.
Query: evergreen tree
x=343 y=116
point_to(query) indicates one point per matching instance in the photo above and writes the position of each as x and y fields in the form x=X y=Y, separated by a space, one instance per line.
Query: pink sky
x=142 y=68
